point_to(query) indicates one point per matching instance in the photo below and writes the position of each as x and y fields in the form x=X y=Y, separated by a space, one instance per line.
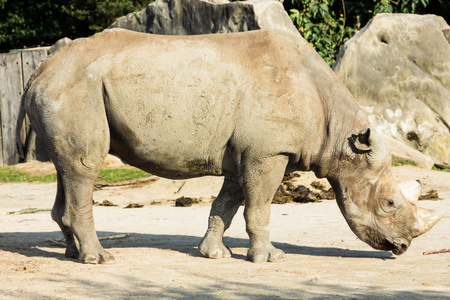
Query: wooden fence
x=15 y=69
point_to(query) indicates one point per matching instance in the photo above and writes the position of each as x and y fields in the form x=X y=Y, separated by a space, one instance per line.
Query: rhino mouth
x=397 y=246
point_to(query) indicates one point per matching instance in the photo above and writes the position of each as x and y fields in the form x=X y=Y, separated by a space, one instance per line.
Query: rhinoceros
x=247 y=106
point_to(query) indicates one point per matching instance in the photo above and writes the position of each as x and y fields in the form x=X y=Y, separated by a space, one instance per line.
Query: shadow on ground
x=217 y=288
x=11 y=241
x=130 y=286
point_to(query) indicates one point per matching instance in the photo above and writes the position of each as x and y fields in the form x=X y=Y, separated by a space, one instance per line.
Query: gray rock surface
x=398 y=68
x=59 y=44
x=186 y=17
x=400 y=151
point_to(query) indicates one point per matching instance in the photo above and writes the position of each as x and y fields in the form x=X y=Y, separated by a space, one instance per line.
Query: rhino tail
x=20 y=118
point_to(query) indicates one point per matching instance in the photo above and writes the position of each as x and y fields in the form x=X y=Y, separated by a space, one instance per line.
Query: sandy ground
x=160 y=259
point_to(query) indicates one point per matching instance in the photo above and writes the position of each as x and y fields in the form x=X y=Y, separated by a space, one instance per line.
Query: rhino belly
x=179 y=160
x=173 y=113
x=170 y=136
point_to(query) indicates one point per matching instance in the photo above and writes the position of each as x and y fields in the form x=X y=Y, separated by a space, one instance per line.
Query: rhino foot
x=72 y=251
x=102 y=258
x=271 y=254
x=214 y=250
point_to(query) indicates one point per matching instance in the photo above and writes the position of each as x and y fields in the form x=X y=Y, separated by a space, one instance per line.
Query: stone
x=400 y=151
x=398 y=69
x=59 y=44
x=446 y=33
x=186 y=17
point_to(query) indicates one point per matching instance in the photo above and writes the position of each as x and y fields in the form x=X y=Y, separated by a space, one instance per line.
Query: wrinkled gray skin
x=248 y=106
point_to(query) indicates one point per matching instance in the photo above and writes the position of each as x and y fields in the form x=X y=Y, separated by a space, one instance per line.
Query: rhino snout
x=399 y=246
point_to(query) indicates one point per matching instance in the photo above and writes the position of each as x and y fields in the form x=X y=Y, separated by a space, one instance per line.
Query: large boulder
x=186 y=17
x=59 y=44
x=398 y=68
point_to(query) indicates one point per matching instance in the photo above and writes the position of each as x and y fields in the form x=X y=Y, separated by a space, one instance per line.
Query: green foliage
x=121 y=175
x=403 y=162
x=30 y=23
x=11 y=174
x=360 y=12
x=321 y=26
x=328 y=24
x=436 y=168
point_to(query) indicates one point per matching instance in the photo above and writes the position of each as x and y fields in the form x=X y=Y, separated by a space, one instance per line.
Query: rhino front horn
x=426 y=219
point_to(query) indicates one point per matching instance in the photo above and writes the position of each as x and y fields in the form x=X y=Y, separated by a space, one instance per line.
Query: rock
x=403 y=152
x=186 y=17
x=112 y=162
x=183 y=202
x=134 y=205
x=398 y=68
x=430 y=195
x=186 y=201
x=106 y=203
x=446 y=33
x=58 y=45
x=318 y=185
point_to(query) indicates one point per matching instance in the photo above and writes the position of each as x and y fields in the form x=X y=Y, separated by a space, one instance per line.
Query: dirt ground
x=160 y=259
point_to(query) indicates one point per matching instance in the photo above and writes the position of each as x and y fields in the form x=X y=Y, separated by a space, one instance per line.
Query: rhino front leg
x=261 y=178
x=222 y=212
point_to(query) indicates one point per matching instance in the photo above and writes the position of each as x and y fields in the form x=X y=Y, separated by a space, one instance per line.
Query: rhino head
x=378 y=210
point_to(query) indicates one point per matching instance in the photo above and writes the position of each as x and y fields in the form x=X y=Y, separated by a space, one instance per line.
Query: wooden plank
x=30 y=61
x=11 y=87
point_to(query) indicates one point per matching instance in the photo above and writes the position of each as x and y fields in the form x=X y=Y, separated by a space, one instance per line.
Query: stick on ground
x=62 y=242
x=101 y=184
x=437 y=252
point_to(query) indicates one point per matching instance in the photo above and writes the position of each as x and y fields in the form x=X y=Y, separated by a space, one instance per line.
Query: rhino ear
x=362 y=140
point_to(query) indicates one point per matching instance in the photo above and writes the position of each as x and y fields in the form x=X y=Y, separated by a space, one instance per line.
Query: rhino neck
x=336 y=154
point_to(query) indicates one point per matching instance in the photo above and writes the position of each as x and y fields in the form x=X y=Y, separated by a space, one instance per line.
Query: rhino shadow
x=36 y=241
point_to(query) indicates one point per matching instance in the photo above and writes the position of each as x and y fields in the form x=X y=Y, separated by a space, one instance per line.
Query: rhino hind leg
x=77 y=153
x=222 y=212
x=58 y=211
x=73 y=213
x=78 y=192
x=261 y=178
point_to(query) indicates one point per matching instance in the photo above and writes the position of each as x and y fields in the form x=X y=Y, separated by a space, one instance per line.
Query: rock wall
x=185 y=17
x=398 y=68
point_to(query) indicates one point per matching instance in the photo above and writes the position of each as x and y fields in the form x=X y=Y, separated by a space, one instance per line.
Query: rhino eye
x=388 y=205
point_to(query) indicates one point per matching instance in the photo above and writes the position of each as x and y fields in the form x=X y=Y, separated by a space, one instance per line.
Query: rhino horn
x=426 y=219
x=410 y=190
